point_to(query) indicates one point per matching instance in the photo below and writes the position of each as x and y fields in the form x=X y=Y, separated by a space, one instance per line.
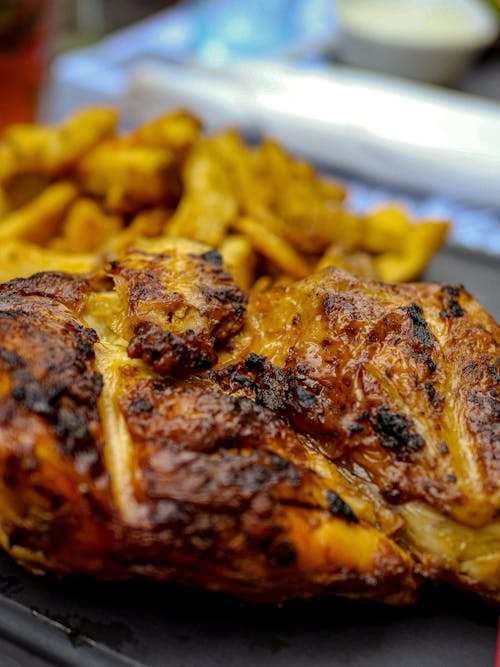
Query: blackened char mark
x=452 y=290
x=340 y=508
x=484 y=418
x=202 y=420
x=207 y=501
x=329 y=303
x=305 y=398
x=255 y=362
x=259 y=478
x=247 y=383
x=72 y=426
x=228 y=481
x=431 y=391
x=213 y=257
x=140 y=406
x=453 y=308
x=397 y=434
x=424 y=339
x=11 y=359
x=232 y=301
x=290 y=392
x=282 y=553
x=279 y=389
x=494 y=371
x=421 y=329
x=33 y=395
x=171 y=354
x=68 y=405
x=49 y=361
x=65 y=288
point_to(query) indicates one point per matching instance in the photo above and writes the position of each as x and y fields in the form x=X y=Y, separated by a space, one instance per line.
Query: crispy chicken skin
x=54 y=485
x=400 y=385
x=178 y=305
x=345 y=440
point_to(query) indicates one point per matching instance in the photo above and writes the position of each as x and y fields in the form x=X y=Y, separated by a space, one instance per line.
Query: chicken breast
x=332 y=436
x=400 y=386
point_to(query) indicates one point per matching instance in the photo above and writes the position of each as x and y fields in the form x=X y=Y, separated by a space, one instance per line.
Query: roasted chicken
x=332 y=435
x=399 y=385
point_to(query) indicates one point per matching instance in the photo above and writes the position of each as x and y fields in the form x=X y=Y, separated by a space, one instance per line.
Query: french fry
x=385 y=229
x=360 y=263
x=39 y=220
x=176 y=131
x=23 y=188
x=4 y=203
x=209 y=203
x=164 y=245
x=86 y=227
x=52 y=150
x=308 y=205
x=410 y=260
x=83 y=191
x=146 y=224
x=130 y=178
x=286 y=258
x=19 y=259
x=239 y=259
x=401 y=247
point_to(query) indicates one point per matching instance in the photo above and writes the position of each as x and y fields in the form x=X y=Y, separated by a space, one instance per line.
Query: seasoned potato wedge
x=79 y=187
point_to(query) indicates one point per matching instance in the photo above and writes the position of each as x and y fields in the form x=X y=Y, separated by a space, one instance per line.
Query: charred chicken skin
x=330 y=436
x=399 y=385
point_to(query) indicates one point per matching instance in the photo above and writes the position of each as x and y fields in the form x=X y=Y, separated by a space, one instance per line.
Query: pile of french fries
x=76 y=195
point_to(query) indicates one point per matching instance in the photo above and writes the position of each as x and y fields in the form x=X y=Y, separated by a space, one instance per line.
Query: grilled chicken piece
x=178 y=305
x=321 y=454
x=109 y=469
x=54 y=499
x=400 y=386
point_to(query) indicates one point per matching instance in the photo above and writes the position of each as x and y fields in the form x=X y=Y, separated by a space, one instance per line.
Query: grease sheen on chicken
x=330 y=436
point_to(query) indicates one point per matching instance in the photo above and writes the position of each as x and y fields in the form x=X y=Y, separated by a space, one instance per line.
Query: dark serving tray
x=49 y=622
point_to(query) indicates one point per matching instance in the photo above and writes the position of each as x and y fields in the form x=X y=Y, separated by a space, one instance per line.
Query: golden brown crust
x=399 y=384
x=69 y=290
x=46 y=357
x=179 y=304
x=299 y=465
x=368 y=369
x=54 y=489
x=225 y=482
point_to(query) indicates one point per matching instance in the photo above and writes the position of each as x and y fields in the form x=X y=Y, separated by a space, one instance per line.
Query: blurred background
x=81 y=22
x=146 y=55
x=451 y=43
x=212 y=29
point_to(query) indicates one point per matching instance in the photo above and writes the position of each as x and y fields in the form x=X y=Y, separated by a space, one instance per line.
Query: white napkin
x=397 y=132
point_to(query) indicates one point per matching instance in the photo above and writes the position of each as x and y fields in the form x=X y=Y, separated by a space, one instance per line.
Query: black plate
x=45 y=621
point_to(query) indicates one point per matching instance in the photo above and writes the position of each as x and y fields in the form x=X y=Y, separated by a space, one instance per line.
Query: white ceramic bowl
x=429 y=40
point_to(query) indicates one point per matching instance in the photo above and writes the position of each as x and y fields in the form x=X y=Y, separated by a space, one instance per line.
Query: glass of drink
x=24 y=42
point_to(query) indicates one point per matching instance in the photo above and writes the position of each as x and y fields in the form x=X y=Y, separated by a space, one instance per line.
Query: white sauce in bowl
x=420 y=22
